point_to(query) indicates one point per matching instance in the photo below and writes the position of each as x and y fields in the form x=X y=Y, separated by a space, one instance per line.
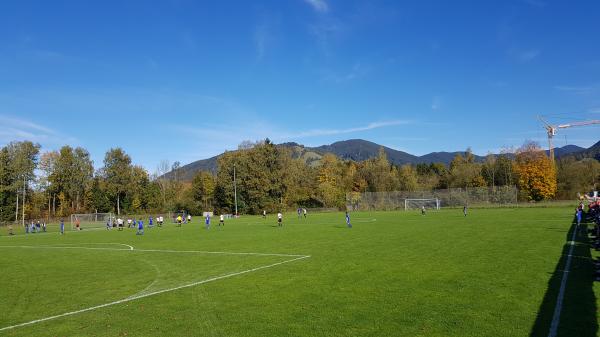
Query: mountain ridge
x=591 y=152
x=360 y=149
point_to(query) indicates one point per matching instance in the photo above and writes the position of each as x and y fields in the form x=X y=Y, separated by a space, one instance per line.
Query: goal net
x=420 y=203
x=175 y=215
x=91 y=220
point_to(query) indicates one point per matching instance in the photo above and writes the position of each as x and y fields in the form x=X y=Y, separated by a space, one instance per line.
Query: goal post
x=175 y=215
x=433 y=203
x=91 y=220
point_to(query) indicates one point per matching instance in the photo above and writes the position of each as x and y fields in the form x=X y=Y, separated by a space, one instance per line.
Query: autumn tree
x=504 y=171
x=434 y=175
x=329 y=185
x=61 y=176
x=465 y=172
x=82 y=175
x=137 y=188
x=163 y=183
x=224 y=189
x=536 y=173
x=408 y=178
x=203 y=190
x=299 y=184
x=47 y=166
x=22 y=162
x=117 y=172
x=70 y=172
x=575 y=177
x=379 y=174
x=488 y=169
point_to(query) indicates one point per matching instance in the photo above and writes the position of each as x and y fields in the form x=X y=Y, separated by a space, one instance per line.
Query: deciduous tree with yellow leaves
x=537 y=174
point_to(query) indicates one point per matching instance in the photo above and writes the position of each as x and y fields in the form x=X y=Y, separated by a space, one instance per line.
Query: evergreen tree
x=7 y=194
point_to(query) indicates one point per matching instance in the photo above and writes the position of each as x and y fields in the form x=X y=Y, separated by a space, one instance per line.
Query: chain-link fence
x=451 y=197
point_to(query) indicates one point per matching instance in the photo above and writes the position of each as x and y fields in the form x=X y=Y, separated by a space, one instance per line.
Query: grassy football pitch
x=496 y=272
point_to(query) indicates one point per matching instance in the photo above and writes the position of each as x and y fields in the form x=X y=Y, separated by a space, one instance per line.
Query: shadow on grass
x=578 y=314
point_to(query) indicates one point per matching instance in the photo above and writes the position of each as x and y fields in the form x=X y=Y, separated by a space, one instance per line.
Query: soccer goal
x=175 y=215
x=91 y=220
x=419 y=203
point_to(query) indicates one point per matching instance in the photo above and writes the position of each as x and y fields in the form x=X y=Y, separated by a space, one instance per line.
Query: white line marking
x=90 y=243
x=152 y=293
x=130 y=247
x=563 y=285
x=156 y=277
x=302 y=223
x=209 y=252
x=108 y=243
x=50 y=232
x=152 y=250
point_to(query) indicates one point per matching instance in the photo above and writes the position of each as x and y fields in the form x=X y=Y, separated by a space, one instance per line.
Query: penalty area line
x=51 y=232
x=152 y=293
x=90 y=243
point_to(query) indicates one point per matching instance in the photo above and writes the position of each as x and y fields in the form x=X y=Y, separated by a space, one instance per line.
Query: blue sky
x=184 y=80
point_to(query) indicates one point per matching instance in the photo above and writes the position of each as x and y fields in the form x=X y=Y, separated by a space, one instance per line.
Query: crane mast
x=551 y=131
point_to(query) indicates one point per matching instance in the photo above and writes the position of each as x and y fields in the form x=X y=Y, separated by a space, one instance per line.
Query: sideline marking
x=152 y=293
x=153 y=250
x=563 y=285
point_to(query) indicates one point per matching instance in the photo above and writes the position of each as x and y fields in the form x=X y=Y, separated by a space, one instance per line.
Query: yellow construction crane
x=551 y=131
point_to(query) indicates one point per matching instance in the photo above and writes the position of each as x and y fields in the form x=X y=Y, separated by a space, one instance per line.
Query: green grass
x=493 y=273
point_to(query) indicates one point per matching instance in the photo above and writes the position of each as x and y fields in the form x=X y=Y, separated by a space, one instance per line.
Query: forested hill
x=188 y=171
x=592 y=152
x=358 y=150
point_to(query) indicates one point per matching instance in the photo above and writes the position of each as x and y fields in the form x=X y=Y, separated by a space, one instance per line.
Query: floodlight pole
x=235 y=191
x=23 y=208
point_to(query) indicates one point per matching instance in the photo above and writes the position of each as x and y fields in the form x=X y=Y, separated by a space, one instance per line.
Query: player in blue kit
x=140 y=230
x=207 y=221
x=62 y=226
x=348 y=220
x=150 y=222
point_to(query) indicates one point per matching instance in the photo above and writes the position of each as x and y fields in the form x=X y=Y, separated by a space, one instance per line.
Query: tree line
x=267 y=177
